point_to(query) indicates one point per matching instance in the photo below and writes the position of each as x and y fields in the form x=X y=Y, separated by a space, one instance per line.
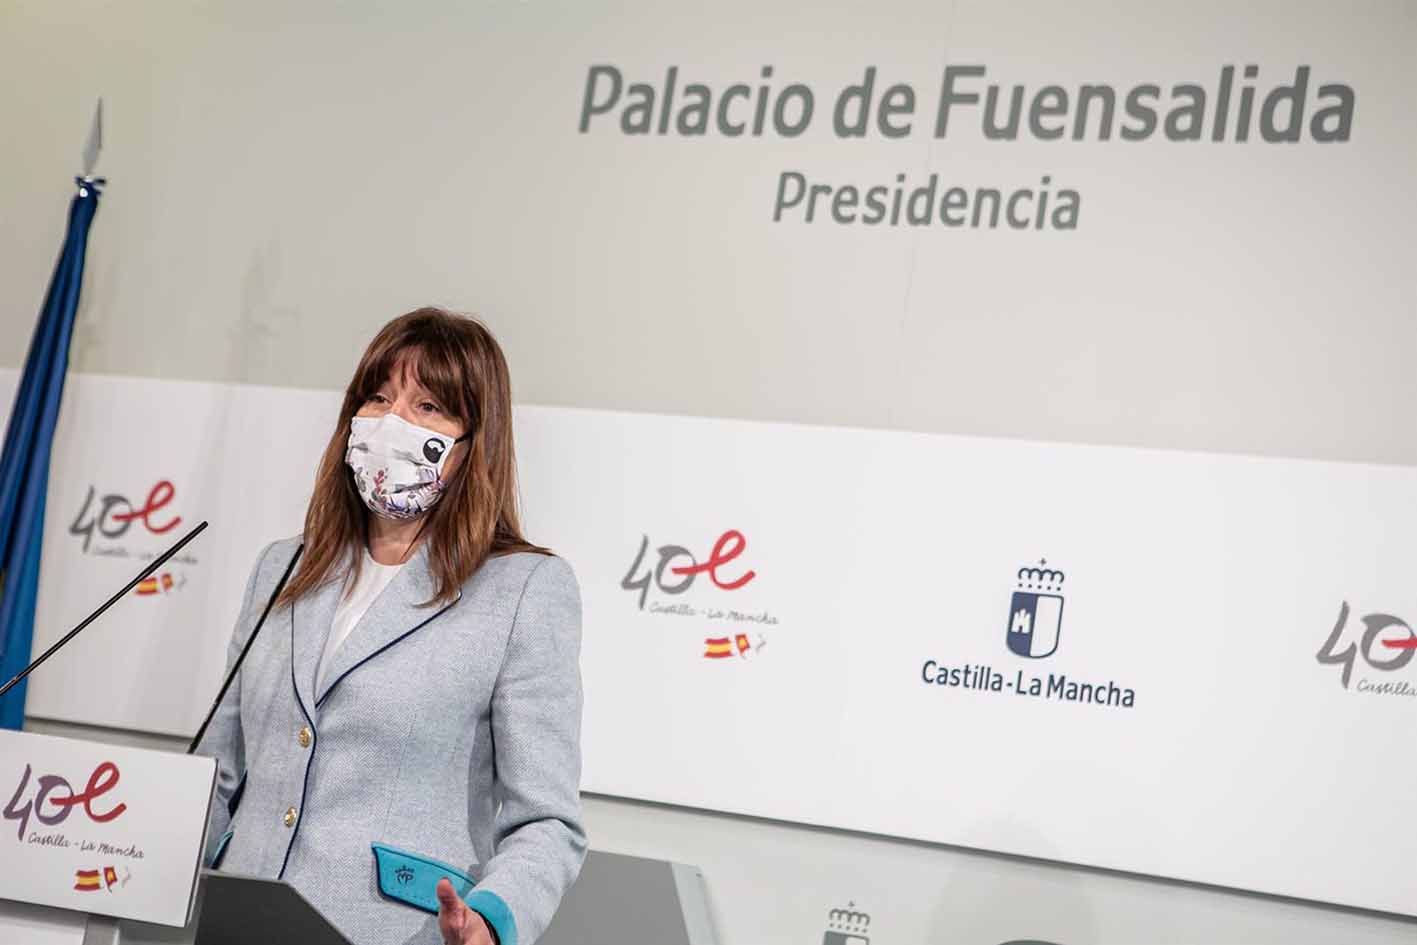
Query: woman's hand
x=459 y=924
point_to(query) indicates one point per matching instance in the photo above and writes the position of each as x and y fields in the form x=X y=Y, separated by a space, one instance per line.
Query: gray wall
x=283 y=181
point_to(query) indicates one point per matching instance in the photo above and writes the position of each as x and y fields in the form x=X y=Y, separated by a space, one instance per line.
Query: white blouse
x=373 y=578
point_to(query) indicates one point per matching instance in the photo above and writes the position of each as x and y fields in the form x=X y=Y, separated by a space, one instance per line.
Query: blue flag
x=24 y=464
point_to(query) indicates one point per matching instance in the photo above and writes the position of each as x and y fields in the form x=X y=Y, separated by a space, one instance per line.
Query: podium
x=107 y=848
x=102 y=845
x=670 y=909
x=239 y=910
x=228 y=910
x=91 y=834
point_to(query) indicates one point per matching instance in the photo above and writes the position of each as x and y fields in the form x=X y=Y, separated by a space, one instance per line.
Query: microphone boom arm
x=146 y=572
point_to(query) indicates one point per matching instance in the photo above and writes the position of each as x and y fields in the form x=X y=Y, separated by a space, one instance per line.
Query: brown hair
x=459 y=362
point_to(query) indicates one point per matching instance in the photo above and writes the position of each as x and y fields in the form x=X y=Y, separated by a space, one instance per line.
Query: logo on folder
x=1036 y=612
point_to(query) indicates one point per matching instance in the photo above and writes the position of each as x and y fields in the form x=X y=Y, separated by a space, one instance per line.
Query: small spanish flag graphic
x=87 y=880
x=163 y=582
x=110 y=876
x=742 y=641
x=716 y=648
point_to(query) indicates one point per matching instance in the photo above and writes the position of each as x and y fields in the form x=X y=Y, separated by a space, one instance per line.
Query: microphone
x=146 y=572
x=231 y=676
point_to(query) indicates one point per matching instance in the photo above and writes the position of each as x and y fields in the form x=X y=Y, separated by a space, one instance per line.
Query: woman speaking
x=402 y=741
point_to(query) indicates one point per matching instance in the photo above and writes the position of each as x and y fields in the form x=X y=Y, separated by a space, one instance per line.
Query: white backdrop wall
x=281 y=187
x=900 y=667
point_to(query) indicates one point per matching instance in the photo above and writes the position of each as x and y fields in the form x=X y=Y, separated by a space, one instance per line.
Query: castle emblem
x=1036 y=612
x=847 y=927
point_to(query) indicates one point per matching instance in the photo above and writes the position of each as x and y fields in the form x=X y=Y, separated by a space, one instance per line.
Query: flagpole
x=29 y=435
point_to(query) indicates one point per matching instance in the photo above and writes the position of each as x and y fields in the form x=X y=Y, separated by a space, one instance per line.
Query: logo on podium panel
x=80 y=822
x=61 y=799
x=1036 y=612
x=847 y=927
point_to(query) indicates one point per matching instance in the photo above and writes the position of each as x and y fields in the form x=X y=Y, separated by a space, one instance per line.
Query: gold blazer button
x=304 y=736
x=290 y=817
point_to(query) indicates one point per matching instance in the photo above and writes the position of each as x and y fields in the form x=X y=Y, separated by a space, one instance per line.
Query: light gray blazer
x=448 y=735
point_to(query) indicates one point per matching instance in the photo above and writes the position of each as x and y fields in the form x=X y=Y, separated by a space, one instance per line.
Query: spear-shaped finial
x=95 y=142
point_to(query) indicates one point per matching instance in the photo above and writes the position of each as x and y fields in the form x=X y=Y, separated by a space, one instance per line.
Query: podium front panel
x=102 y=829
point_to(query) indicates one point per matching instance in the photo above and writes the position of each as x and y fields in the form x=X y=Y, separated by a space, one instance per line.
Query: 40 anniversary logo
x=1386 y=645
x=49 y=799
x=111 y=518
x=675 y=570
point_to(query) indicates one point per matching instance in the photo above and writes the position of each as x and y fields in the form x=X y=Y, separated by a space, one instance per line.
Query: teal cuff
x=413 y=879
x=490 y=906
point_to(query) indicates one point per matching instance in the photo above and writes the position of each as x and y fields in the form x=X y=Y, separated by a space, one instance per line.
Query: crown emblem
x=1040 y=578
x=1036 y=611
x=849 y=920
